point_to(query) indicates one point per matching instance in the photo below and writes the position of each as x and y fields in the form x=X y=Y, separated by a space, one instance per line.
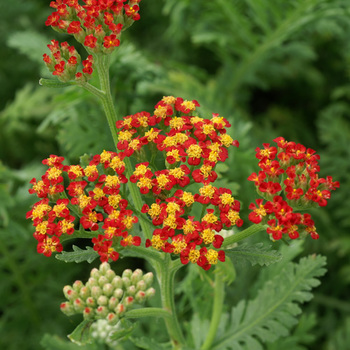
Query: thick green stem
x=251 y=230
x=219 y=295
x=165 y=274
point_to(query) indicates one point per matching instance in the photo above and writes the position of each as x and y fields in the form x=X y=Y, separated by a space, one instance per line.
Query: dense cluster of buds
x=96 y=24
x=87 y=195
x=288 y=181
x=106 y=295
x=186 y=209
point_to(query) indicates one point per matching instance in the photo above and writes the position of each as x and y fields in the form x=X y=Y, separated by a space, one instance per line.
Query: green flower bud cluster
x=107 y=295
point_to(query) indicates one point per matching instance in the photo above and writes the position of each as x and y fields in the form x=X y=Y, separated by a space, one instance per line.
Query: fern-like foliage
x=273 y=312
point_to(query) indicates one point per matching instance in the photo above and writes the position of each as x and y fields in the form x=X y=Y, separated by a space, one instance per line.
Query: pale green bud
x=84 y=292
x=104 y=267
x=92 y=282
x=136 y=276
x=108 y=289
x=88 y=313
x=118 y=293
x=69 y=293
x=127 y=273
x=113 y=302
x=112 y=318
x=110 y=274
x=67 y=308
x=150 y=292
x=95 y=273
x=131 y=290
x=102 y=300
x=117 y=282
x=126 y=282
x=77 y=285
x=96 y=292
x=78 y=305
x=102 y=281
x=148 y=278
x=140 y=296
x=102 y=312
x=90 y=301
x=141 y=285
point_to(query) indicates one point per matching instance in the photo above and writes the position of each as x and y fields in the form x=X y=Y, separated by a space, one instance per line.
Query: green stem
x=219 y=295
x=165 y=272
x=148 y=312
x=102 y=64
x=251 y=230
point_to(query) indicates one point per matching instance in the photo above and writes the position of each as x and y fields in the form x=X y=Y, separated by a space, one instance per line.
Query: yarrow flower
x=178 y=179
x=95 y=24
x=288 y=181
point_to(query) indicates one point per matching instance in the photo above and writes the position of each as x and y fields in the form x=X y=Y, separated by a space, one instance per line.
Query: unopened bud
x=113 y=302
x=112 y=318
x=127 y=273
x=126 y=282
x=92 y=282
x=118 y=293
x=131 y=290
x=117 y=282
x=88 y=313
x=148 y=278
x=102 y=281
x=141 y=285
x=95 y=273
x=108 y=289
x=96 y=292
x=102 y=300
x=128 y=301
x=120 y=309
x=77 y=285
x=136 y=276
x=140 y=296
x=102 y=311
x=84 y=292
x=150 y=292
x=104 y=267
x=67 y=308
x=90 y=301
x=110 y=274
x=69 y=293
x=78 y=305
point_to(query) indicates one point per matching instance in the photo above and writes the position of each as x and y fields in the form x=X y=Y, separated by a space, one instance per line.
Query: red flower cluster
x=97 y=24
x=191 y=147
x=290 y=170
x=89 y=196
x=180 y=200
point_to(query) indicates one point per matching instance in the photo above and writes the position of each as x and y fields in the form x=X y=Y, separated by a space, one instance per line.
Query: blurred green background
x=272 y=68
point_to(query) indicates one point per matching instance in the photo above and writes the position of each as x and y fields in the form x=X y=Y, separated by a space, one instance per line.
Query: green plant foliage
x=273 y=312
x=53 y=342
x=78 y=255
x=255 y=254
x=302 y=335
x=341 y=338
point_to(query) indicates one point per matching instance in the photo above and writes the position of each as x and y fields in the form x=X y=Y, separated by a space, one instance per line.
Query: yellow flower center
x=208 y=236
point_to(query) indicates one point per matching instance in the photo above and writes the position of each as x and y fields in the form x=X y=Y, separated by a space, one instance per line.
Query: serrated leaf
x=256 y=254
x=81 y=334
x=273 y=312
x=78 y=255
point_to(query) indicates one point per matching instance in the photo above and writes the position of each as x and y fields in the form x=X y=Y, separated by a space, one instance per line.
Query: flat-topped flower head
x=289 y=181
